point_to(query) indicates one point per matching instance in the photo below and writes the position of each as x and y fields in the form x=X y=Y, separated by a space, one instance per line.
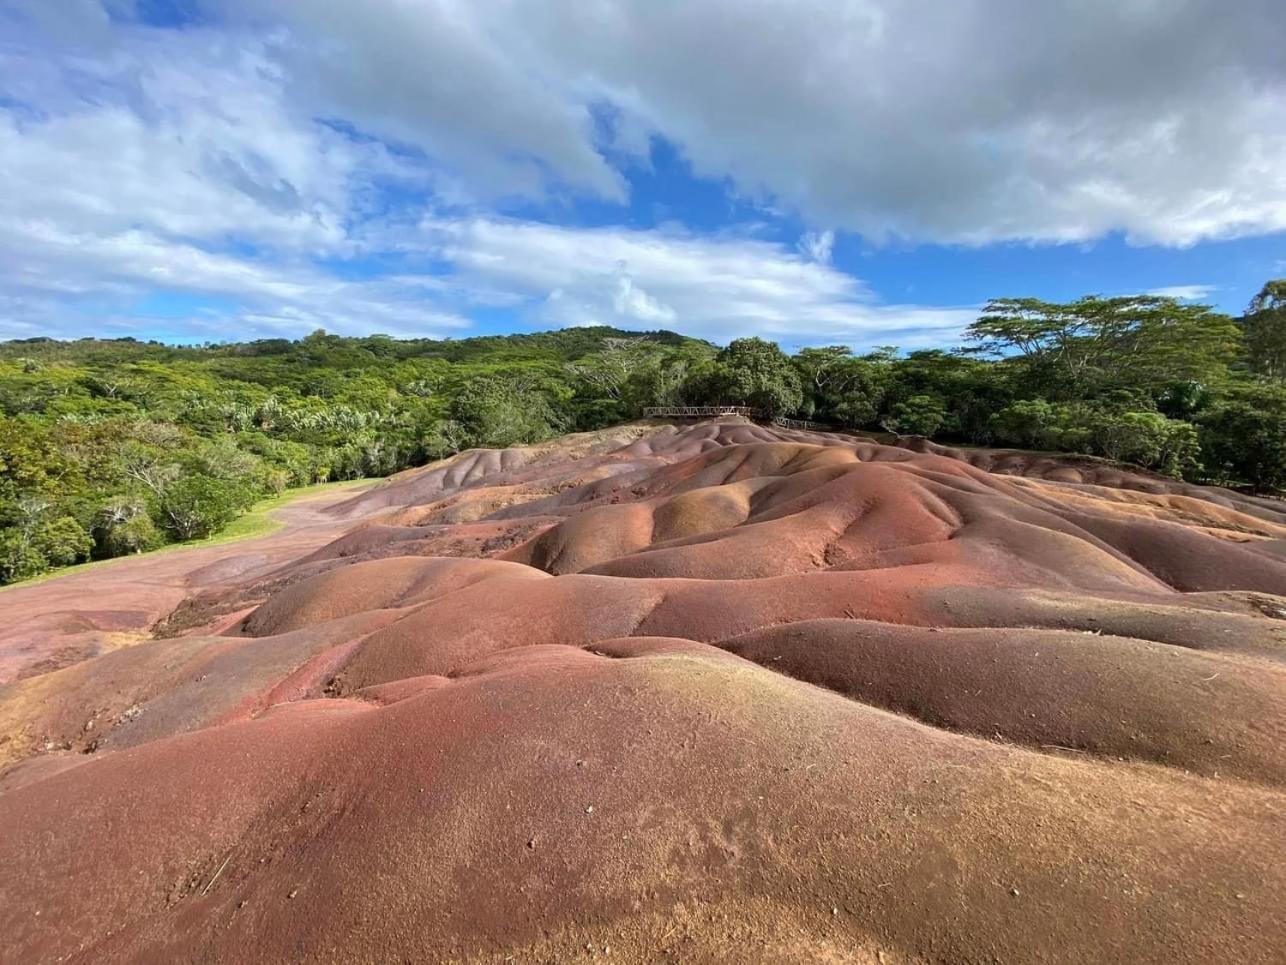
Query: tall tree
x=1264 y=325
x=756 y=373
x=1095 y=344
x=504 y=410
x=608 y=370
x=840 y=387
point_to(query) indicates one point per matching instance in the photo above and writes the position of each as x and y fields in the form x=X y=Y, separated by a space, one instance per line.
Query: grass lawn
x=256 y=521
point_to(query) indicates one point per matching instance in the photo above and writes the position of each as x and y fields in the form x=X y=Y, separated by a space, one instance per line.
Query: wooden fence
x=711 y=411
x=698 y=411
x=784 y=423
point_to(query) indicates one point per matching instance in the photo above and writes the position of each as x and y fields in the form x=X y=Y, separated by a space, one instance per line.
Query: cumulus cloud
x=456 y=80
x=973 y=121
x=138 y=161
x=309 y=163
x=545 y=275
x=83 y=284
x=185 y=134
x=716 y=288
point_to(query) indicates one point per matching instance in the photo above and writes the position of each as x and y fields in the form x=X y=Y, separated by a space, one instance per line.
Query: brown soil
x=54 y=623
x=706 y=693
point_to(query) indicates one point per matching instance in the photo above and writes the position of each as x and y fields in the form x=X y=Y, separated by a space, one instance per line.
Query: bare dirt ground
x=675 y=693
x=57 y=622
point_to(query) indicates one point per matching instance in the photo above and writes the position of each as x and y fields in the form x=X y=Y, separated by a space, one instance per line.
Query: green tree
x=1264 y=325
x=198 y=506
x=504 y=410
x=37 y=540
x=1243 y=440
x=1146 y=439
x=970 y=389
x=1095 y=344
x=100 y=431
x=756 y=373
x=608 y=371
x=841 y=388
x=125 y=526
x=827 y=370
x=1028 y=423
x=682 y=376
x=444 y=438
x=920 y=415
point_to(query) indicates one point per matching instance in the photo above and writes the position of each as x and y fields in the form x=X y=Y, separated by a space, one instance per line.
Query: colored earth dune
x=713 y=692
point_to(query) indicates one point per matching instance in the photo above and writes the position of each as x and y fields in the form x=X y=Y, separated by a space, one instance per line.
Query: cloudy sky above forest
x=813 y=171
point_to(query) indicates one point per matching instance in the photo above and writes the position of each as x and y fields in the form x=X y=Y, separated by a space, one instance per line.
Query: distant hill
x=565 y=344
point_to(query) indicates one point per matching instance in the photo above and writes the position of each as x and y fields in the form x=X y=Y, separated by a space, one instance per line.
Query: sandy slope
x=53 y=623
x=708 y=693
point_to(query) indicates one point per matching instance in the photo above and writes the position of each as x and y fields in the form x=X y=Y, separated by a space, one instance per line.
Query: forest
x=114 y=447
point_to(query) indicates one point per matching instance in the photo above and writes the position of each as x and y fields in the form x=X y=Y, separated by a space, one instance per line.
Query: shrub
x=1147 y=439
x=920 y=415
x=198 y=506
x=136 y=535
x=28 y=550
x=1029 y=423
x=1244 y=440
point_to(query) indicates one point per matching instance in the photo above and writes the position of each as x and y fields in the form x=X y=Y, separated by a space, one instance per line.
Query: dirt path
x=57 y=622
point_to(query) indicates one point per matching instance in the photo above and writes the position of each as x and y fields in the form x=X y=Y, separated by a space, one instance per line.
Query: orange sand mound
x=663 y=693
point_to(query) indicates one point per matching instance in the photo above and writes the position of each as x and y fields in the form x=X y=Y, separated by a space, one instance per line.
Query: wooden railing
x=698 y=411
x=711 y=411
x=783 y=423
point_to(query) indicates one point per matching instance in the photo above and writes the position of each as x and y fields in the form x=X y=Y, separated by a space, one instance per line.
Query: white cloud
x=714 y=288
x=186 y=135
x=818 y=245
x=273 y=155
x=456 y=80
x=1187 y=293
x=137 y=162
x=87 y=283
x=972 y=121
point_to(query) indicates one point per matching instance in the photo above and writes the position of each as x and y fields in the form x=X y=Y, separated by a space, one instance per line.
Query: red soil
x=54 y=623
x=716 y=693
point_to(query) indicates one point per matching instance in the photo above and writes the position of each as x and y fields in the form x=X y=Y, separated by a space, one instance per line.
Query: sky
x=860 y=172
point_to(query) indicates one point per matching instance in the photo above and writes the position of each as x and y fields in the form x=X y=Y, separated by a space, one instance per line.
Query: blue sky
x=820 y=171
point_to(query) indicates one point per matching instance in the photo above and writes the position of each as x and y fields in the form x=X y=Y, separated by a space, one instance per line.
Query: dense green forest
x=111 y=447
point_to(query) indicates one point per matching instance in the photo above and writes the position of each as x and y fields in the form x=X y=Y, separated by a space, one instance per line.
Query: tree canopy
x=1097 y=344
x=1264 y=326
